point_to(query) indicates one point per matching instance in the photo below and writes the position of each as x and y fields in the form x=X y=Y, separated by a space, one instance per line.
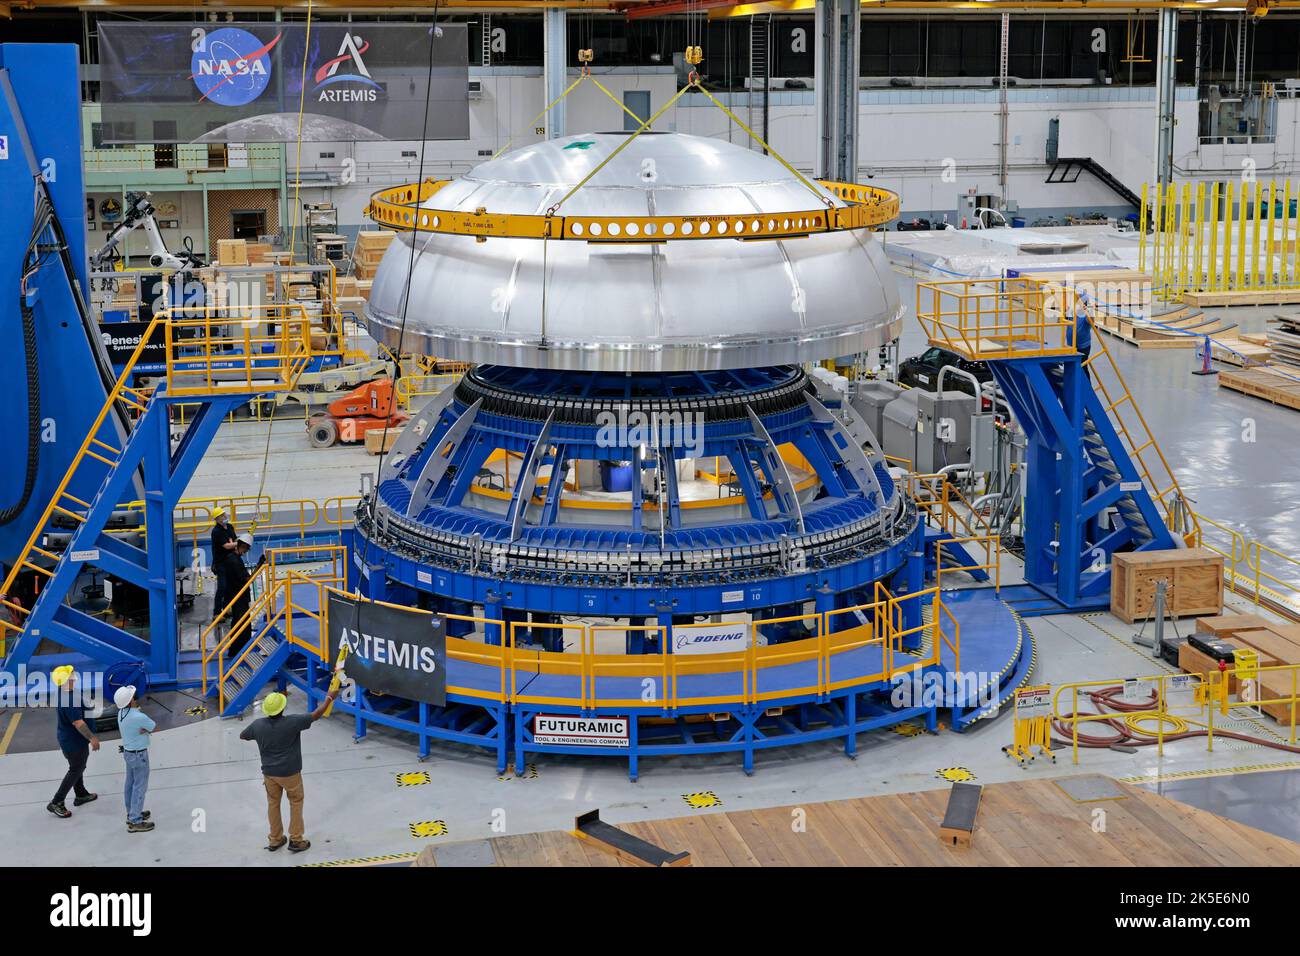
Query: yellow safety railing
x=990 y=544
x=412 y=388
x=1138 y=439
x=215 y=349
x=344 y=508
x=1178 y=706
x=995 y=318
x=945 y=507
x=1269 y=577
x=584 y=664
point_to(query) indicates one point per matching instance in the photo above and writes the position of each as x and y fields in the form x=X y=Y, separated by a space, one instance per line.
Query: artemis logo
x=75 y=909
x=328 y=74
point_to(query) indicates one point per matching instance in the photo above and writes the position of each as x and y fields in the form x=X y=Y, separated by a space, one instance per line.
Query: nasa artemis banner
x=192 y=82
x=391 y=649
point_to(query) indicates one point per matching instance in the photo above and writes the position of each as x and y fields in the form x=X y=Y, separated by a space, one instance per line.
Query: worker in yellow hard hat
x=76 y=740
x=223 y=544
x=279 y=744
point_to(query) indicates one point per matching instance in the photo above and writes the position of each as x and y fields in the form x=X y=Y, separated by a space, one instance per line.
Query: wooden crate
x=1195 y=577
x=232 y=252
x=381 y=439
x=1271 y=644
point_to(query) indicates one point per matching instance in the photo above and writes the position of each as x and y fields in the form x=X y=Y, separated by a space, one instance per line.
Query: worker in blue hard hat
x=223 y=544
x=136 y=727
x=279 y=743
x=76 y=740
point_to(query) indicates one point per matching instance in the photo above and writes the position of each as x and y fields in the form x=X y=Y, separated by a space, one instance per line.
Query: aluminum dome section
x=676 y=305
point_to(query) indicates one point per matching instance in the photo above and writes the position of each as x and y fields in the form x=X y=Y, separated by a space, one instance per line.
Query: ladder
x=485 y=40
x=206 y=364
x=760 y=74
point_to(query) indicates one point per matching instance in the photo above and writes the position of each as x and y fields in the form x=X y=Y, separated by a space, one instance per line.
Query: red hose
x=1130 y=736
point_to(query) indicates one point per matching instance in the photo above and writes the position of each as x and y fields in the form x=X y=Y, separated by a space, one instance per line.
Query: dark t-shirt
x=222 y=535
x=279 y=742
x=69 y=736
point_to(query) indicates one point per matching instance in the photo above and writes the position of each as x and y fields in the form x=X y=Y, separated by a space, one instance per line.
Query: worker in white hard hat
x=237 y=575
x=76 y=740
x=136 y=727
x=223 y=544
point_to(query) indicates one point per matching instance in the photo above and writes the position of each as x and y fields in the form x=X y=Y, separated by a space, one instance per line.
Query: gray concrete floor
x=206 y=793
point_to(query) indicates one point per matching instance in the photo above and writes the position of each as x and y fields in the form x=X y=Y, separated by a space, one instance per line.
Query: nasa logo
x=232 y=67
x=328 y=74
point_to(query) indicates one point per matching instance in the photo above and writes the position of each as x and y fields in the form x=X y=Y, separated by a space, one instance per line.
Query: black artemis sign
x=394 y=650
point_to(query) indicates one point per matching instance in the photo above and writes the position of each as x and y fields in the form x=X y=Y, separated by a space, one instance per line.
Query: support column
x=1166 y=53
x=555 y=68
x=1004 y=109
x=835 y=82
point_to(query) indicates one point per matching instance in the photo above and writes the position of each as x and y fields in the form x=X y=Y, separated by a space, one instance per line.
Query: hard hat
x=245 y=538
x=123 y=696
x=218 y=513
x=61 y=674
x=274 y=703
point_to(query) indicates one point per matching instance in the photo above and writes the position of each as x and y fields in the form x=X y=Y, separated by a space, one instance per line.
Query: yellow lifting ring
x=400 y=208
x=694 y=55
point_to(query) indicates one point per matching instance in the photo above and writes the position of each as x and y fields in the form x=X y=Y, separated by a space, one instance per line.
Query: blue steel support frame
x=1067 y=554
x=166 y=473
x=47 y=91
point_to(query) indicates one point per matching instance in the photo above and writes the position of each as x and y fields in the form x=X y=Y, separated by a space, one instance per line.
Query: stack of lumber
x=1284 y=339
x=1275 y=643
x=369 y=249
x=1243 y=297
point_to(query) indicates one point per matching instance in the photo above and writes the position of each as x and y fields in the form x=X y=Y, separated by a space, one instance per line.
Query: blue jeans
x=137 y=782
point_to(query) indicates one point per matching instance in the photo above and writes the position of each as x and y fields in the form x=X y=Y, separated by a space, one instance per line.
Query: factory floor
x=206 y=794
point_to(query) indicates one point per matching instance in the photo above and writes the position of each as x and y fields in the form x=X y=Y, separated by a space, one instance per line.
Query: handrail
x=265 y=596
x=517 y=665
x=1169 y=496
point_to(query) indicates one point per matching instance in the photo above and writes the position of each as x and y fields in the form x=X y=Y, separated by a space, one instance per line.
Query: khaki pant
x=275 y=786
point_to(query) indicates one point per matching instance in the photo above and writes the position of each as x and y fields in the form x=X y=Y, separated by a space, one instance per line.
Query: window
x=111 y=135
x=164 y=150
x=248 y=224
x=638 y=101
x=326 y=155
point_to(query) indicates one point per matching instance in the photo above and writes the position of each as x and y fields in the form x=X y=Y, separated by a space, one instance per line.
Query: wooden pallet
x=1264 y=383
x=1146 y=335
x=1243 y=297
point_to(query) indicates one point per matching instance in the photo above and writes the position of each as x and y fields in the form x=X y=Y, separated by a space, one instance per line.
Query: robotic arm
x=140 y=215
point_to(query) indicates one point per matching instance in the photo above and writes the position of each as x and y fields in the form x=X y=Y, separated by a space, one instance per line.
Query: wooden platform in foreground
x=1029 y=823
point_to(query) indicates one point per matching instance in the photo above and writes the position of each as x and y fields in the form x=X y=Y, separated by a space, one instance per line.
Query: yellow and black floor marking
x=195 y=711
x=530 y=773
x=367 y=860
x=1210 y=772
x=413 y=778
x=908 y=729
x=954 y=774
x=428 y=828
x=702 y=799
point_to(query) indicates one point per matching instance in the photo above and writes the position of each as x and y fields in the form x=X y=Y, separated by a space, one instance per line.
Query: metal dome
x=665 y=306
